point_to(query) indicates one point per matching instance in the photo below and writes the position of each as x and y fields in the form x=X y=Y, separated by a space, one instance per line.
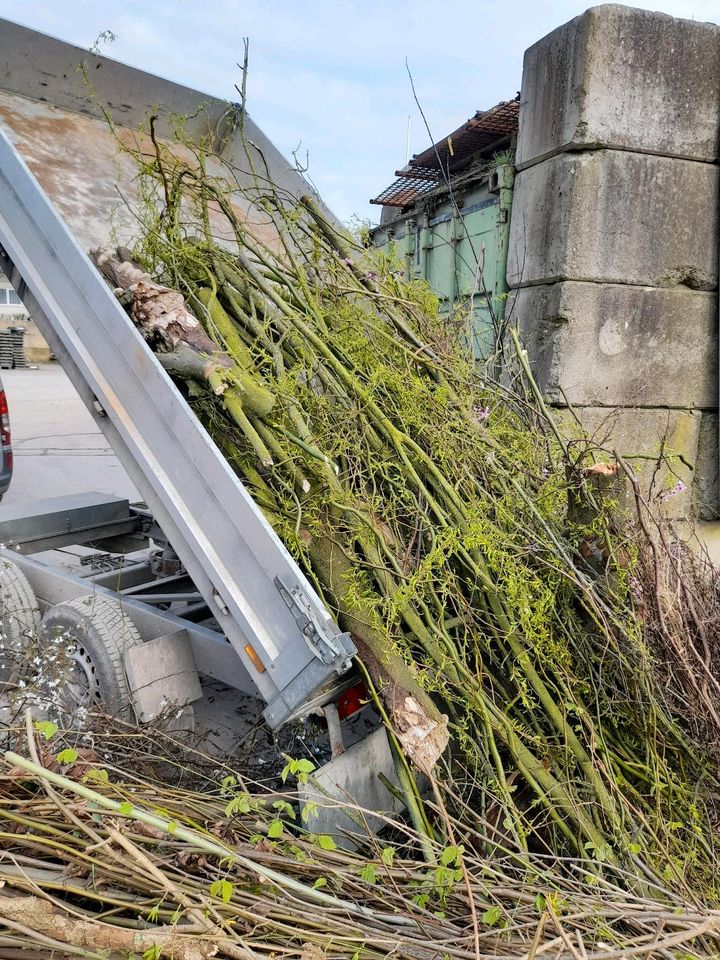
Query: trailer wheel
x=91 y=635
x=19 y=619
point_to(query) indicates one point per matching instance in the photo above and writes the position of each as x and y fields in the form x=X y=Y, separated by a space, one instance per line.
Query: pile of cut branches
x=540 y=665
x=97 y=862
x=430 y=506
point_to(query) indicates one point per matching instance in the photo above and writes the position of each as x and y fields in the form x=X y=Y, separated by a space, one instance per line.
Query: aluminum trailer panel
x=57 y=521
x=253 y=587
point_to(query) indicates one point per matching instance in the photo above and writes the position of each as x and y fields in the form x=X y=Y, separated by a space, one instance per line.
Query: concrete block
x=625 y=78
x=162 y=674
x=352 y=778
x=616 y=217
x=706 y=486
x=640 y=435
x=707 y=537
x=612 y=344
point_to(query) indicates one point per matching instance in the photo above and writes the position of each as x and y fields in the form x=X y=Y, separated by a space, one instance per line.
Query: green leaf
x=153 y=913
x=320 y=882
x=299 y=768
x=275 y=829
x=539 y=902
x=240 y=803
x=67 y=756
x=284 y=807
x=451 y=855
x=309 y=809
x=222 y=889
x=387 y=856
x=601 y=852
x=227 y=785
x=46 y=728
x=634 y=848
x=126 y=808
x=492 y=916
x=98 y=775
x=368 y=873
x=325 y=842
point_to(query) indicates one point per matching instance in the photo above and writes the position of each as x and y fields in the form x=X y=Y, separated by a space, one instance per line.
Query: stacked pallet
x=12 y=349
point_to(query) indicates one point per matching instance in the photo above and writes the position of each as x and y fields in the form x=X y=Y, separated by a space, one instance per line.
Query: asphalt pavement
x=58 y=447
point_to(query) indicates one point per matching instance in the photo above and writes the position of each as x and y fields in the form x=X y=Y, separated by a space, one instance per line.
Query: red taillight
x=5 y=437
x=351 y=700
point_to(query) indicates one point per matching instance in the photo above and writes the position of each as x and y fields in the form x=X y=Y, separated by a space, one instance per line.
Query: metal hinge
x=327 y=643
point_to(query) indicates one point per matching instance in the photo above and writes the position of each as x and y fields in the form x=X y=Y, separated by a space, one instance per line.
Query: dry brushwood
x=116 y=865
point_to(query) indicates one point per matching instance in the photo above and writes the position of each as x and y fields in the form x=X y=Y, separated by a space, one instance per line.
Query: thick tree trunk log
x=418 y=724
x=56 y=929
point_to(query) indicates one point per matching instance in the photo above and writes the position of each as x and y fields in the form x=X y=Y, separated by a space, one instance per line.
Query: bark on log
x=178 y=339
x=158 y=312
x=54 y=928
x=418 y=724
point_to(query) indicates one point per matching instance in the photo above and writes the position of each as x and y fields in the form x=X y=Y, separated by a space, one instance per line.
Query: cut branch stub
x=183 y=347
x=159 y=313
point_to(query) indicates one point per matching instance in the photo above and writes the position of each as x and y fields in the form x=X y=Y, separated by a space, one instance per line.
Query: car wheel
x=90 y=636
x=19 y=619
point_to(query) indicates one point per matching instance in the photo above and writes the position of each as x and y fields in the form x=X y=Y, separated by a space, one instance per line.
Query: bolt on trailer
x=217 y=595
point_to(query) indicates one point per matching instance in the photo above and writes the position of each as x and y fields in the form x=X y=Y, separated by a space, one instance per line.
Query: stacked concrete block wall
x=614 y=236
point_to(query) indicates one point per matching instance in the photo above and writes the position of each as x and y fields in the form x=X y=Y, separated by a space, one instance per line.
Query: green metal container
x=458 y=243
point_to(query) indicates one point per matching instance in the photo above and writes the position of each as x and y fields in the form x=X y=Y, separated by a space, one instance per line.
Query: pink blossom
x=672 y=492
x=481 y=414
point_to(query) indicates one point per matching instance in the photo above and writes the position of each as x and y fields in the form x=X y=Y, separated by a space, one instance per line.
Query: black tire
x=19 y=619
x=93 y=634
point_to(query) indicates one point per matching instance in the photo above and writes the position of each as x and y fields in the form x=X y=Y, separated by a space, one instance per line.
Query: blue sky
x=331 y=75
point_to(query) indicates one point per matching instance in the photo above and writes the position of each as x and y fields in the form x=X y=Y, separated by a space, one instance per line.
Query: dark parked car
x=6 y=454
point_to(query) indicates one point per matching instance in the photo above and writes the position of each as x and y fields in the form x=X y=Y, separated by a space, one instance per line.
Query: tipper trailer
x=193 y=582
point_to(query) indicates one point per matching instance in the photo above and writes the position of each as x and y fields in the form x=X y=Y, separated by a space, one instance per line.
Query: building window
x=14 y=298
x=3 y=295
